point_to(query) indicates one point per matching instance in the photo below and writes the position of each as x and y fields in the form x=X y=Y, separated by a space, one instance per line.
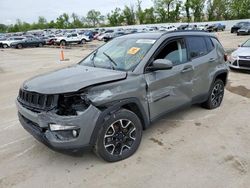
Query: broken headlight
x=72 y=104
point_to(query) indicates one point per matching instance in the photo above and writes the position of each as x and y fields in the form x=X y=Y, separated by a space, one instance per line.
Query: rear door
x=170 y=89
x=203 y=57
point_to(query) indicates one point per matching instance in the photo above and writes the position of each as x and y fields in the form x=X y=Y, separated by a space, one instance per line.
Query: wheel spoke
x=130 y=133
x=124 y=146
x=120 y=136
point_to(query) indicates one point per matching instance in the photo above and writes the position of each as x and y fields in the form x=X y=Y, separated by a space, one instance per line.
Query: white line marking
x=13 y=142
x=3 y=129
x=25 y=151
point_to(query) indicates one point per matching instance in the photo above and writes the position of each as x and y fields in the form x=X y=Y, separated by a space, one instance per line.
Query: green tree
x=116 y=17
x=3 y=28
x=93 y=17
x=76 y=23
x=163 y=8
x=197 y=7
x=149 y=17
x=140 y=13
x=187 y=10
x=62 y=22
x=129 y=15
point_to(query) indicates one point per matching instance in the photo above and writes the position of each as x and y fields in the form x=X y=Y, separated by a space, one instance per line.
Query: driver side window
x=174 y=51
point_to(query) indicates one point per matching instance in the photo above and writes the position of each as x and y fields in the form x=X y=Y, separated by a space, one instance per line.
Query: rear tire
x=19 y=46
x=119 y=136
x=216 y=95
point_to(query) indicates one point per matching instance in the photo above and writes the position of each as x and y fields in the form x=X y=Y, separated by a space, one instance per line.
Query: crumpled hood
x=71 y=79
x=242 y=51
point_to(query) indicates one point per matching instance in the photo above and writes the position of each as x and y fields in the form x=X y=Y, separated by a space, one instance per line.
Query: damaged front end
x=64 y=121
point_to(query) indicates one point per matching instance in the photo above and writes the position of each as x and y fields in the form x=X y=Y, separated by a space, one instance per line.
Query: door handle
x=211 y=59
x=187 y=68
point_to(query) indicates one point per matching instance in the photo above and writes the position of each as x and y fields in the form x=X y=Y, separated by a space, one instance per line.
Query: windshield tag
x=133 y=50
x=145 y=41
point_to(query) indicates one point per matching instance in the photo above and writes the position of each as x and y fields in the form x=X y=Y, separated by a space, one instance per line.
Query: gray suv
x=106 y=100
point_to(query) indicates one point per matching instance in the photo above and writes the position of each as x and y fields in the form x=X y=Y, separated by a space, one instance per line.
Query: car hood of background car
x=242 y=51
x=71 y=79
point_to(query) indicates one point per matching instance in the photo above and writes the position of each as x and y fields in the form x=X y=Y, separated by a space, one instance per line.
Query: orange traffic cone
x=62 y=54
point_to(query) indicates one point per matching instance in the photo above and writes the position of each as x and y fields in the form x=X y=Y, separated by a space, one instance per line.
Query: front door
x=170 y=89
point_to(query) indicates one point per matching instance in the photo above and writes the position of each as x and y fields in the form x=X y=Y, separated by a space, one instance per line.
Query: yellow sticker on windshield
x=133 y=50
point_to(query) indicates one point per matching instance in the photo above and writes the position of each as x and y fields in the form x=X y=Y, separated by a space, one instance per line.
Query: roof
x=153 y=35
x=157 y=35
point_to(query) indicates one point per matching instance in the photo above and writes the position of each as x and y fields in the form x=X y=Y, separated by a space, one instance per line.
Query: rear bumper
x=37 y=124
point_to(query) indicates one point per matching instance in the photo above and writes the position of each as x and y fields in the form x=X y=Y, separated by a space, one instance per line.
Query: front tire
x=63 y=43
x=119 y=137
x=83 y=41
x=5 y=46
x=216 y=95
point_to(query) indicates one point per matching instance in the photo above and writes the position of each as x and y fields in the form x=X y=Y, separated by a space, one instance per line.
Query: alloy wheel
x=120 y=137
x=217 y=94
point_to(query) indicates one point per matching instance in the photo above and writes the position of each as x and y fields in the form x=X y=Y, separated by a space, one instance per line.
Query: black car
x=182 y=27
x=28 y=42
x=238 y=26
x=215 y=27
x=110 y=36
x=245 y=30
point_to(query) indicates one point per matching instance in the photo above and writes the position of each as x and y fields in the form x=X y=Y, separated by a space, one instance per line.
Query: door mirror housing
x=160 y=64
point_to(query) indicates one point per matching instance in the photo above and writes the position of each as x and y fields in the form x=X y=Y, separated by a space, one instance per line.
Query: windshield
x=119 y=54
x=246 y=44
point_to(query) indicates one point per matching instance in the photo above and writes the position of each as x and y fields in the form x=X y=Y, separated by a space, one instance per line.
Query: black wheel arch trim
x=114 y=107
x=219 y=73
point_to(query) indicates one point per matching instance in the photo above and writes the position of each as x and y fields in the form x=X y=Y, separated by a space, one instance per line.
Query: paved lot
x=189 y=148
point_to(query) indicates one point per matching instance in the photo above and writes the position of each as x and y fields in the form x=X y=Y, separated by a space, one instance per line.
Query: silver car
x=240 y=58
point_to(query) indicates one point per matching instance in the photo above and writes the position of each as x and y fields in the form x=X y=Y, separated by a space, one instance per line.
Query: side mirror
x=161 y=64
x=239 y=45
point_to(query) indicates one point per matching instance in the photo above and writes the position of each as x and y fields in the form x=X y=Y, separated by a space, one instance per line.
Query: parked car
x=240 y=58
x=49 y=40
x=182 y=27
x=111 y=36
x=7 y=43
x=191 y=27
x=111 y=96
x=245 y=30
x=72 y=38
x=28 y=42
x=215 y=27
x=239 y=25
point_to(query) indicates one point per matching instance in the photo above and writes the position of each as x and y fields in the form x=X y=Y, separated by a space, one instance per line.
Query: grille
x=36 y=101
x=244 y=63
x=244 y=57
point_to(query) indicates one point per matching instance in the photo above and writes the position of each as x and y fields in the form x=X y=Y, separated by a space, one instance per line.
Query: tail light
x=225 y=57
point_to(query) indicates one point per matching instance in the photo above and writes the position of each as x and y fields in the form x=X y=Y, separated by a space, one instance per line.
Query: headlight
x=72 y=104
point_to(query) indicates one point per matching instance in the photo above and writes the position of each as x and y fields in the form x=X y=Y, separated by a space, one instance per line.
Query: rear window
x=197 y=46
x=209 y=43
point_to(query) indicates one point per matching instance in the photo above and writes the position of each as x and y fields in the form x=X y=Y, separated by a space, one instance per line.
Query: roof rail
x=186 y=31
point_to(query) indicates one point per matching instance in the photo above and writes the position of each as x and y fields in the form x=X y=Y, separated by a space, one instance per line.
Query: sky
x=29 y=10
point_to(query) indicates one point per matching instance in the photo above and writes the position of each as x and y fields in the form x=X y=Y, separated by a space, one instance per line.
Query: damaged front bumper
x=38 y=125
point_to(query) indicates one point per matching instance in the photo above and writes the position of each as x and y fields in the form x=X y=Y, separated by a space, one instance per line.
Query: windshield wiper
x=93 y=57
x=111 y=60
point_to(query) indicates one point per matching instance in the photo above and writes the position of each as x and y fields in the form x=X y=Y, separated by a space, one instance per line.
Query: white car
x=72 y=38
x=168 y=28
x=7 y=43
x=240 y=58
